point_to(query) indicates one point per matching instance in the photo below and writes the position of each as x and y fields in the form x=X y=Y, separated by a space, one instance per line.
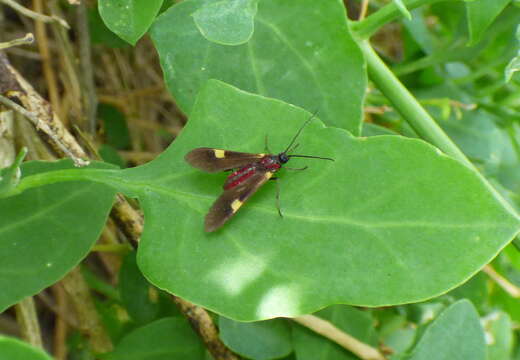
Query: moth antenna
x=294 y=148
x=299 y=131
x=310 y=157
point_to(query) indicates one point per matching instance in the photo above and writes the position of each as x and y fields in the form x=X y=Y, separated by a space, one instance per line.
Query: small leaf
x=100 y=33
x=14 y=349
x=480 y=15
x=227 y=22
x=46 y=231
x=115 y=125
x=110 y=155
x=402 y=9
x=135 y=292
x=165 y=339
x=514 y=64
x=474 y=290
x=499 y=335
x=370 y=129
x=261 y=340
x=512 y=67
x=129 y=19
x=10 y=176
x=455 y=334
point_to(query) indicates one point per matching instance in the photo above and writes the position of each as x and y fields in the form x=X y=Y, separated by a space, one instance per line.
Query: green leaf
x=115 y=126
x=370 y=129
x=136 y=292
x=398 y=225
x=100 y=33
x=312 y=62
x=165 y=339
x=395 y=330
x=500 y=336
x=481 y=14
x=455 y=334
x=110 y=155
x=262 y=340
x=475 y=290
x=129 y=19
x=417 y=28
x=402 y=9
x=227 y=22
x=14 y=349
x=115 y=321
x=46 y=231
x=514 y=65
x=10 y=176
x=311 y=346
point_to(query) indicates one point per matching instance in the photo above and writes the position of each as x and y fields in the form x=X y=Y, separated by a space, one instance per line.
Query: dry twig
x=505 y=284
x=343 y=339
x=35 y=15
x=27 y=39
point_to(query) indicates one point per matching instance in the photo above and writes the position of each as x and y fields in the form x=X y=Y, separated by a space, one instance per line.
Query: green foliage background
x=408 y=213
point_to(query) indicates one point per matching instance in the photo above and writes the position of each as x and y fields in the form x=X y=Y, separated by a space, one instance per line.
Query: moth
x=249 y=172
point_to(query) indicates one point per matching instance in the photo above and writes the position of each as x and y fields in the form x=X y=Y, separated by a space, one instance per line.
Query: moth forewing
x=215 y=160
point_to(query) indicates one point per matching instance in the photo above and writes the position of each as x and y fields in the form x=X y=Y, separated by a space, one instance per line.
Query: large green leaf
x=46 y=231
x=391 y=221
x=308 y=58
x=14 y=349
x=455 y=334
x=129 y=19
x=399 y=221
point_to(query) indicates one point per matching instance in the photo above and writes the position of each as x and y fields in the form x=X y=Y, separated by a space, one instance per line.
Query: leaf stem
x=367 y=27
x=104 y=176
x=408 y=106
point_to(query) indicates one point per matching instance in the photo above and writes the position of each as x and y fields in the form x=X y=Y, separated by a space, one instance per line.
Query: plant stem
x=408 y=106
x=410 y=109
x=367 y=27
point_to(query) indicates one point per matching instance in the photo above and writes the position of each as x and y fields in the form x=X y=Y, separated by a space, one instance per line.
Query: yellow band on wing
x=235 y=205
x=219 y=154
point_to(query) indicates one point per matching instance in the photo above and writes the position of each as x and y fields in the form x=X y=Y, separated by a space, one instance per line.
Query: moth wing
x=214 y=160
x=232 y=199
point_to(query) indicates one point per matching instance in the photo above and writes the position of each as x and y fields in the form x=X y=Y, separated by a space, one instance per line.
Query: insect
x=250 y=172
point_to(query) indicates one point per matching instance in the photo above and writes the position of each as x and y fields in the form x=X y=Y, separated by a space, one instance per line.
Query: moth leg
x=296 y=169
x=293 y=148
x=267 y=151
x=278 y=197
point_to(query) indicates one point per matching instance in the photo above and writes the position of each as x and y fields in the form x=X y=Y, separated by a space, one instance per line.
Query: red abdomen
x=239 y=176
x=268 y=163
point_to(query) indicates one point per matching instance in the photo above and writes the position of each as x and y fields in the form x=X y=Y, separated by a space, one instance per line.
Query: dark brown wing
x=231 y=200
x=214 y=160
